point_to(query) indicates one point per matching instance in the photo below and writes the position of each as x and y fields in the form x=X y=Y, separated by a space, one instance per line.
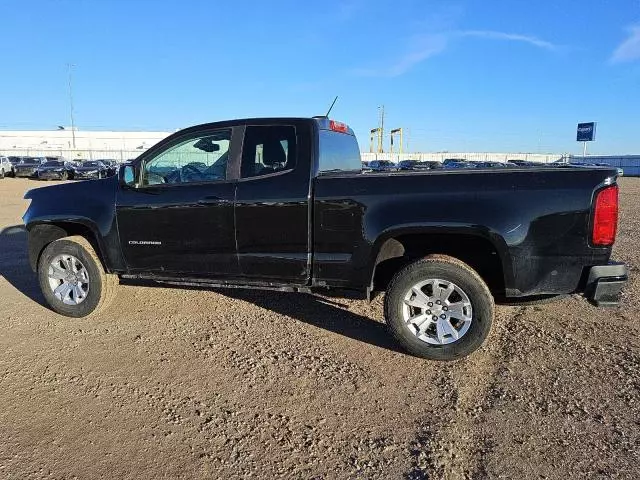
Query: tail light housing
x=605 y=217
x=338 y=127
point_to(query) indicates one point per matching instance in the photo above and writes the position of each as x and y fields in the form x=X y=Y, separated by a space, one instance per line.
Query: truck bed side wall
x=538 y=221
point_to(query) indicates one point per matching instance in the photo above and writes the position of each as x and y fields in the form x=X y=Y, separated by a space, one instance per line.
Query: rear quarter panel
x=537 y=219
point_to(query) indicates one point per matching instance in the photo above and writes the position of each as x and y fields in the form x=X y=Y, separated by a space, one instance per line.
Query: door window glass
x=268 y=149
x=200 y=159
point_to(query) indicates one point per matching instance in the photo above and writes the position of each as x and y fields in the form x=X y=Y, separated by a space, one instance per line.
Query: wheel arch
x=483 y=250
x=42 y=233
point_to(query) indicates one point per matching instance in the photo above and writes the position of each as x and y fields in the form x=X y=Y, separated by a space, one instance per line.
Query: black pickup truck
x=281 y=203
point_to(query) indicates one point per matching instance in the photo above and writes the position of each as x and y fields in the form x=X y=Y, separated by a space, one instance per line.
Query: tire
x=99 y=290
x=471 y=321
x=64 y=176
x=1 y=173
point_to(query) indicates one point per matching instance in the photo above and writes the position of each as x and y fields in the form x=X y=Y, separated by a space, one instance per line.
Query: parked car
x=56 y=170
x=5 y=167
x=429 y=165
x=418 y=165
x=518 y=163
x=456 y=163
x=407 y=164
x=382 y=166
x=14 y=160
x=291 y=211
x=91 y=169
x=524 y=163
x=27 y=167
x=112 y=165
x=490 y=164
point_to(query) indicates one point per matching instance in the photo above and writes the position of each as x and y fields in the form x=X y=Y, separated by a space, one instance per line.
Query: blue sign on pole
x=586 y=132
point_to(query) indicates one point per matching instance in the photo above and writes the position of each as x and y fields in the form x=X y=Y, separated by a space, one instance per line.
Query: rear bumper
x=88 y=176
x=51 y=175
x=24 y=172
x=605 y=283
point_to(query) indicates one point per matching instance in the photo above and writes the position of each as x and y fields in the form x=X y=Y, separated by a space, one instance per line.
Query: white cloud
x=513 y=37
x=424 y=47
x=629 y=50
x=421 y=48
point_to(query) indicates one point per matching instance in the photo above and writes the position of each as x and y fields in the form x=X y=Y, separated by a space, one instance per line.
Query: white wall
x=88 y=144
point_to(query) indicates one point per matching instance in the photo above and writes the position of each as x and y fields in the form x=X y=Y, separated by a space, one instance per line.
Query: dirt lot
x=175 y=383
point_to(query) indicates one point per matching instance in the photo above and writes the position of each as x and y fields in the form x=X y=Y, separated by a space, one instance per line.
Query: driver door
x=179 y=219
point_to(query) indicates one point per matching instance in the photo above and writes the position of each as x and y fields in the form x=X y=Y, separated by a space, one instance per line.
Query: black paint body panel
x=536 y=219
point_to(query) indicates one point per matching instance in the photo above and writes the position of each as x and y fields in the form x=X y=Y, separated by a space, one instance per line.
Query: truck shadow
x=320 y=312
x=14 y=262
x=314 y=310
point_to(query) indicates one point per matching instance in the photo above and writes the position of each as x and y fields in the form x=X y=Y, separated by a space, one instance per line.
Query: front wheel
x=439 y=308
x=72 y=279
x=1 y=173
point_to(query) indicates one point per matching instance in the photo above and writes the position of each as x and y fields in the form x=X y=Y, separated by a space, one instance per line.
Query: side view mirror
x=128 y=176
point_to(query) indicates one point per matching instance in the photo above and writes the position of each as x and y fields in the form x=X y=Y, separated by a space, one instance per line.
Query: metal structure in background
x=393 y=132
x=374 y=134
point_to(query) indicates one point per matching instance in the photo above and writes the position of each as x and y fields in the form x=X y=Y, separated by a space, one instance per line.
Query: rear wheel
x=72 y=279
x=1 y=172
x=439 y=308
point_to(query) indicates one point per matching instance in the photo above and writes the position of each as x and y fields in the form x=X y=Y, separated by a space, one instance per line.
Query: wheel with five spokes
x=72 y=278
x=439 y=308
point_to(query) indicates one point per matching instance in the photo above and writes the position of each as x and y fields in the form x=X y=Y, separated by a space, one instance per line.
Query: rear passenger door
x=272 y=208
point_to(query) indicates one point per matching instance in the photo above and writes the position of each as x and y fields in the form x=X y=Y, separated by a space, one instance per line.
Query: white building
x=88 y=144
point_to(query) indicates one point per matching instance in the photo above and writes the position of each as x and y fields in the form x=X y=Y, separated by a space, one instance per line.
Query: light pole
x=73 y=127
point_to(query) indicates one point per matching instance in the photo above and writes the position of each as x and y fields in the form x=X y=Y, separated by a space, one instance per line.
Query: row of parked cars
x=457 y=163
x=56 y=168
x=449 y=163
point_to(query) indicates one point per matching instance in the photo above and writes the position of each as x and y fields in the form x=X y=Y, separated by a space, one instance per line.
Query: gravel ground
x=173 y=383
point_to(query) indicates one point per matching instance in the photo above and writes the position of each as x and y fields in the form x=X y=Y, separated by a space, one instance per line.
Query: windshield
x=53 y=163
x=31 y=160
x=92 y=164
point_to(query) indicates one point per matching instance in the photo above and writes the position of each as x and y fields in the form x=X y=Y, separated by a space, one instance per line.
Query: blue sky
x=474 y=75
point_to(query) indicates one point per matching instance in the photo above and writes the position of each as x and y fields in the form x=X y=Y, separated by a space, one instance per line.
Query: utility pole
x=73 y=127
x=381 y=130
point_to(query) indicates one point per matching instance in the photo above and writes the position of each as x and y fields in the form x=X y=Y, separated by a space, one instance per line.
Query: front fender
x=85 y=208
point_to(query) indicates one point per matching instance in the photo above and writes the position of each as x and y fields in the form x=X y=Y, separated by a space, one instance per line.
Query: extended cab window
x=198 y=159
x=268 y=149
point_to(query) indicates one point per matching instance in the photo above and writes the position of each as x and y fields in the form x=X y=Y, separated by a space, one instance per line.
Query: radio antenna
x=331 y=107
